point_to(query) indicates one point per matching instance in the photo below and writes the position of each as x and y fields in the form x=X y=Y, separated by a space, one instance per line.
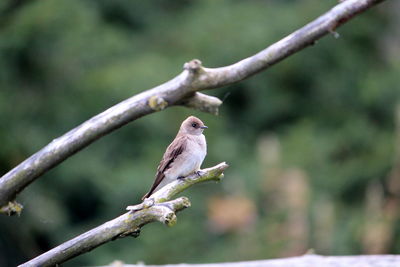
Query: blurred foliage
x=311 y=142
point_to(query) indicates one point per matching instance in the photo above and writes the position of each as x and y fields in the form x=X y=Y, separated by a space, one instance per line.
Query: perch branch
x=215 y=173
x=158 y=208
x=181 y=90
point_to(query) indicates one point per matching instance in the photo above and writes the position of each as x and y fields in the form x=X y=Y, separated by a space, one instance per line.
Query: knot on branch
x=193 y=66
x=157 y=103
x=134 y=232
x=202 y=102
x=12 y=208
x=169 y=219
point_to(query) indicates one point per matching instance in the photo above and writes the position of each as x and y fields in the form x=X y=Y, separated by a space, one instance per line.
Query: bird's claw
x=199 y=173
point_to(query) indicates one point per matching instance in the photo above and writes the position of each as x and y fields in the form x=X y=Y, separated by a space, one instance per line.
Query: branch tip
x=193 y=66
x=12 y=208
x=179 y=204
x=186 y=202
x=335 y=34
x=169 y=219
x=202 y=102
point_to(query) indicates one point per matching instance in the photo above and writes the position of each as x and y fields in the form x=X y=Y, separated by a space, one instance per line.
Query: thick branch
x=176 y=91
x=158 y=208
x=302 y=261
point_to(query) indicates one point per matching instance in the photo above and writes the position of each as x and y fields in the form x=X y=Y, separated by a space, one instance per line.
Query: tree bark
x=181 y=90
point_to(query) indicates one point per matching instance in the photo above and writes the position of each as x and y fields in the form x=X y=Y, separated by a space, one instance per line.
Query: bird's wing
x=173 y=151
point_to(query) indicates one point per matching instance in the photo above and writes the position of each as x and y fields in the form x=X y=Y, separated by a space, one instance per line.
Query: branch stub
x=12 y=208
x=157 y=103
x=193 y=66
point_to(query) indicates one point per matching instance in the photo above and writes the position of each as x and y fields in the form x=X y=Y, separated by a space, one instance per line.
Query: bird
x=183 y=156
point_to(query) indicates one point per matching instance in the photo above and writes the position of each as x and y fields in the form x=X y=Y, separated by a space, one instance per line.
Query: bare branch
x=168 y=191
x=176 y=91
x=302 y=261
x=158 y=208
x=127 y=224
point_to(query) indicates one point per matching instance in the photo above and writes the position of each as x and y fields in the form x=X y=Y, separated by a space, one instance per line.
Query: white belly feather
x=190 y=160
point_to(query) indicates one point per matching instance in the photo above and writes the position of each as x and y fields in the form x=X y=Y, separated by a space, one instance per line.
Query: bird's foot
x=199 y=173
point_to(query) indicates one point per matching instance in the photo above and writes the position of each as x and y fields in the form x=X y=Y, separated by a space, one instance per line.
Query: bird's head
x=193 y=126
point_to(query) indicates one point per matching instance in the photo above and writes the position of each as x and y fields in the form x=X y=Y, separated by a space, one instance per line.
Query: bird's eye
x=194 y=125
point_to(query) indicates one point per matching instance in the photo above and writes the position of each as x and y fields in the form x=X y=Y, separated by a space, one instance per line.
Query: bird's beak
x=204 y=127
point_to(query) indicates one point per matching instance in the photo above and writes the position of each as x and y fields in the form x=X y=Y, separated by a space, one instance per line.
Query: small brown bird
x=183 y=156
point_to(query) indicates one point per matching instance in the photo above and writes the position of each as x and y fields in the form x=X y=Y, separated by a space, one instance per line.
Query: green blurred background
x=312 y=143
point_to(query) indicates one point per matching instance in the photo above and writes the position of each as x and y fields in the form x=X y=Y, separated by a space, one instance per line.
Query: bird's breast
x=191 y=158
x=201 y=146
